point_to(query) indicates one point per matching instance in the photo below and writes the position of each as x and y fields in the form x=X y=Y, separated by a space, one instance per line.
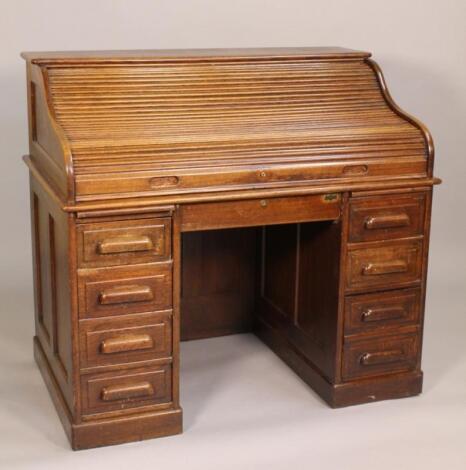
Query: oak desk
x=188 y=194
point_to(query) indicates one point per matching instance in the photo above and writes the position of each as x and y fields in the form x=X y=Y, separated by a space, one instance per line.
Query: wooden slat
x=170 y=114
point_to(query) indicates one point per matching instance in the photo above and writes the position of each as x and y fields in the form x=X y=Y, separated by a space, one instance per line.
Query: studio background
x=243 y=407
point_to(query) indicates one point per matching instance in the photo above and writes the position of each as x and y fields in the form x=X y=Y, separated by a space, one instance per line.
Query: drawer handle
x=355 y=169
x=387 y=221
x=391 y=267
x=381 y=314
x=125 y=343
x=124 y=245
x=383 y=357
x=126 y=392
x=123 y=294
x=163 y=181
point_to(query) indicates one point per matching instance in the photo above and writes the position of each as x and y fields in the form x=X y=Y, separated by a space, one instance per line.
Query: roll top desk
x=181 y=195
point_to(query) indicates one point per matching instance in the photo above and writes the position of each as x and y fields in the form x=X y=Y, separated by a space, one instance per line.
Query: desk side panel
x=53 y=292
x=48 y=145
x=299 y=296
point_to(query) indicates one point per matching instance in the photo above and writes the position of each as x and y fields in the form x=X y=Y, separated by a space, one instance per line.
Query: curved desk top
x=187 y=124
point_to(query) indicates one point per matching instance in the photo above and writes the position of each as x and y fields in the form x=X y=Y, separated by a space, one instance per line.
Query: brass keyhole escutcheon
x=263 y=203
x=262 y=174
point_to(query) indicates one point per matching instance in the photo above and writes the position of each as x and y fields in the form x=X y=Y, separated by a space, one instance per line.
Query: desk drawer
x=363 y=358
x=123 y=290
x=126 y=389
x=124 y=242
x=384 y=265
x=386 y=217
x=254 y=212
x=121 y=340
x=381 y=310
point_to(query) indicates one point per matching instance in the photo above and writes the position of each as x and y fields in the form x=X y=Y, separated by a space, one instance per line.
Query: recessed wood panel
x=279 y=267
x=53 y=312
x=218 y=282
x=300 y=289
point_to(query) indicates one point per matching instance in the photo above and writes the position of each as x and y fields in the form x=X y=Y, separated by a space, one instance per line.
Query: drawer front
x=256 y=212
x=120 y=340
x=126 y=389
x=120 y=291
x=386 y=265
x=369 y=312
x=124 y=242
x=386 y=217
x=380 y=356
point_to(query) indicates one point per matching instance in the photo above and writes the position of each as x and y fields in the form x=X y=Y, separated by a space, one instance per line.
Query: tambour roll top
x=119 y=125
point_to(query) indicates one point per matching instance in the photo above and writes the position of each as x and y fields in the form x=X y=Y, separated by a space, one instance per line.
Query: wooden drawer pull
x=381 y=314
x=126 y=343
x=123 y=294
x=383 y=357
x=124 y=245
x=355 y=169
x=126 y=392
x=387 y=221
x=375 y=269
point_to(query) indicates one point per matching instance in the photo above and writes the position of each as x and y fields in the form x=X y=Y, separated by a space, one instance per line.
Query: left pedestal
x=107 y=321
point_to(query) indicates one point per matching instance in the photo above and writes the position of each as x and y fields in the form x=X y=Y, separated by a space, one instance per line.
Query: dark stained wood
x=387 y=217
x=279 y=277
x=317 y=298
x=364 y=390
x=218 y=291
x=369 y=357
x=373 y=266
x=188 y=194
x=297 y=299
x=369 y=313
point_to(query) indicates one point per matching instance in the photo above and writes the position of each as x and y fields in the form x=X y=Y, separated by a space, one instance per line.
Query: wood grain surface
x=190 y=194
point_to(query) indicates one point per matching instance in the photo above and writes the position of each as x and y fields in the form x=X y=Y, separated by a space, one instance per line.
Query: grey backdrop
x=243 y=407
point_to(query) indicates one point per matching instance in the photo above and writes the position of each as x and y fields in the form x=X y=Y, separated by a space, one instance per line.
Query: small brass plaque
x=331 y=197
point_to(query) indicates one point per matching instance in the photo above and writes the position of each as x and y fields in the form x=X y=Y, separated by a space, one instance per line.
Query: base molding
x=96 y=433
x=376 y=389
x=343 y=394
x=132 y=428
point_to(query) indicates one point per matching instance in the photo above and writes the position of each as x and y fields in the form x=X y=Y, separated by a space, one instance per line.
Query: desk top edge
x=138 y=56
